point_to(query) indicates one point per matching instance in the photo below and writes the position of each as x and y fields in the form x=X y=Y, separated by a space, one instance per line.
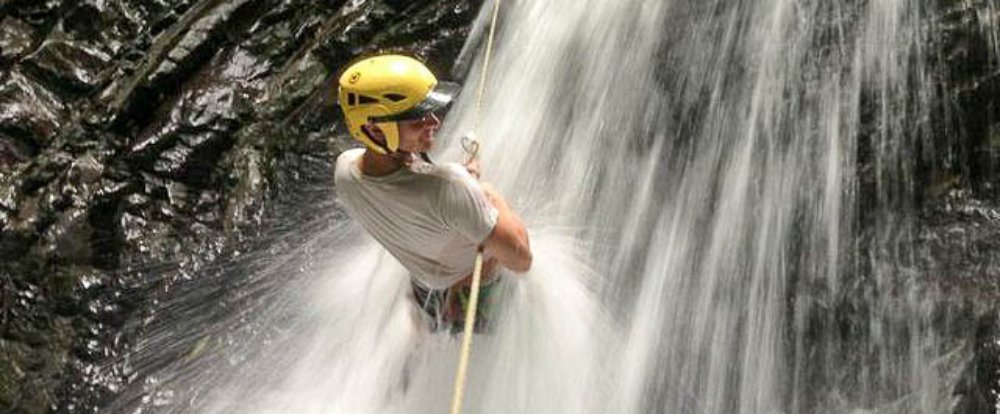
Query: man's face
x=418 y=135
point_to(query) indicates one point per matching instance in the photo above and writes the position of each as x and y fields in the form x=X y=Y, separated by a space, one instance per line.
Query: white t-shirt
x=430 y=221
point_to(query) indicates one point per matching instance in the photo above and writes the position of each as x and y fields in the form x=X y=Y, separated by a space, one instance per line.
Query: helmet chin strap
x=399 y=156
x=376 y=138
x=406 y=158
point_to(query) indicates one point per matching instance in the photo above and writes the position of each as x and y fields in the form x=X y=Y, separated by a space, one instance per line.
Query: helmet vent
x=367 y=99
x=352 y=99
x=395 y=97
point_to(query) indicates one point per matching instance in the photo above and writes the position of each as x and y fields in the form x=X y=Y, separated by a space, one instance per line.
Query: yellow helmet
x=385 y=89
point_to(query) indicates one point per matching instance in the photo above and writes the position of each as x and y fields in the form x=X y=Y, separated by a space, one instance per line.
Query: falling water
x=708 y=153
x=721 y=197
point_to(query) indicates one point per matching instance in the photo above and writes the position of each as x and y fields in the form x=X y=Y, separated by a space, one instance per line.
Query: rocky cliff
x=141 y=141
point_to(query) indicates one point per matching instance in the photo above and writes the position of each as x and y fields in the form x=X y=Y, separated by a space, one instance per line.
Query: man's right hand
x=472 y=166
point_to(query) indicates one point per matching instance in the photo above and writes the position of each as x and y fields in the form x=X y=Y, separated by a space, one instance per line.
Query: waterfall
x=711 y=154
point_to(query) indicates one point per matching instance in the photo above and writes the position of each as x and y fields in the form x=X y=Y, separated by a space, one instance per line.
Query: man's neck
x=374 y=164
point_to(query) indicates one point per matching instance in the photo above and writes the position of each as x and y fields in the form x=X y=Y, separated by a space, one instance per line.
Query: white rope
x=486 y=64
x=472 y=148
x=470 y=321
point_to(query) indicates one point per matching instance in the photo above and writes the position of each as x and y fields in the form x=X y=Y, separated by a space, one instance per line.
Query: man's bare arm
x=508 y=242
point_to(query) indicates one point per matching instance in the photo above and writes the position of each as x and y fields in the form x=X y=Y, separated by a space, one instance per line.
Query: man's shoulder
x=349 y=156
x=345 y=161
x=456 y=184
x=452 y=173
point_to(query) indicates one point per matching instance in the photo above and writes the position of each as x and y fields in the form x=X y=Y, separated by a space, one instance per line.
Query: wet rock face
x=30 y=115
x=141 y=141
x=959 y=238
x=17 y=38
x=970 y=58
x=69 y=64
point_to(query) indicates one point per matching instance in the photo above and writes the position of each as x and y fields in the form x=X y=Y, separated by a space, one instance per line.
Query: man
x=432 y=218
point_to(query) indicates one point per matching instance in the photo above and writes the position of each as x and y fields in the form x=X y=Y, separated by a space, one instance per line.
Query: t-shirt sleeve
x=465 y=208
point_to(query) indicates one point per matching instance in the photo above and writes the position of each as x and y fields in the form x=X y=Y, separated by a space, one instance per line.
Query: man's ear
x=374 y=133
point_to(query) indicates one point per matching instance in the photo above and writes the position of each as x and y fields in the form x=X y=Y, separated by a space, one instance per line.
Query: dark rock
x=290 y=88
x=147 y=241
x=7 y=193
x=970 y=63
x=286 y=39
x=70 y=65
x=29 y=112
x=84 y=20
x=17 y=38
x=68 y=239
x=187 y=143
x=435 y=31
x=285 y=29
x=34 y=344
x=85 y=170
x=979 y=387
x=171 y=162
x=247 y=186
x=176 y=54
x=208 y=209
x=36 y=12
x=12 y=152
x=60 y=212
x=960 y=246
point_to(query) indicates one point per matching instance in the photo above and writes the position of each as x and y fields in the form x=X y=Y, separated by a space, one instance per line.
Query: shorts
x=444 y=309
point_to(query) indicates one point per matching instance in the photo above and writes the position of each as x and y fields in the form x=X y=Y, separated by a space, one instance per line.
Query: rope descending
x=471 y=145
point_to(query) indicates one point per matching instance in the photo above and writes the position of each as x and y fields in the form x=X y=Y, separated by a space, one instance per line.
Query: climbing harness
x=471 y=309
x=443 y=310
